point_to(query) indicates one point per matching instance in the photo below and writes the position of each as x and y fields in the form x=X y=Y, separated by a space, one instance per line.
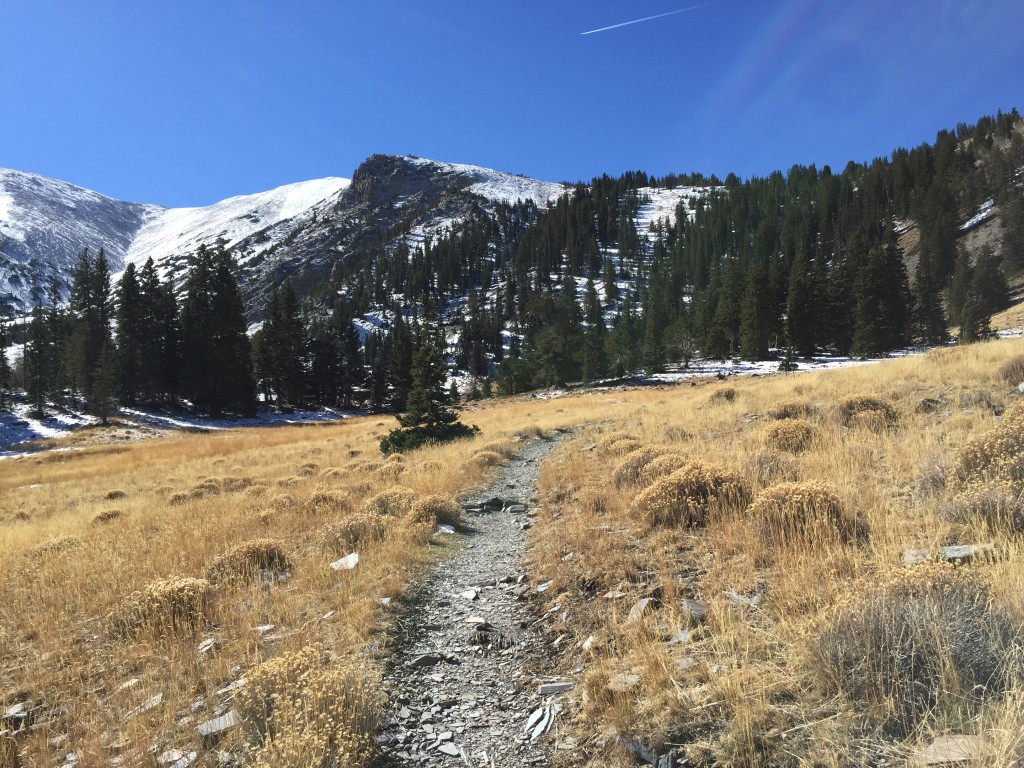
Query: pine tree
x=131 y=335
x=595 y=361
x=103 y=397
x=755 y=315
x=5 y=366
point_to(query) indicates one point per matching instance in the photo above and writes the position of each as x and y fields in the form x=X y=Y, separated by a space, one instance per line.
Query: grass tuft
x=689 y=495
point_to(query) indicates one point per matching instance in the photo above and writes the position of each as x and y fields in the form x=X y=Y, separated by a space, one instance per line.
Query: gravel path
x=461 y=690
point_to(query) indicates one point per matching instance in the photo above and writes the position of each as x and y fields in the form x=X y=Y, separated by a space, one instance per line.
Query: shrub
x=394 y=502
x=106 y=516
x=918 y=645
x=115 y=495
x=618 y=443
x=328 y=503
x=867 y=411
x=792 y=409
x=996 y=505
x=688 y=495
x=246 y=561
x=1012 y=371
x=303 y=710
x=505 y=448
x=233 y=484
x=167 y=605
x=344 y=535
x=723 y=395
x=632 y=465
x=995 y=455
x=485 y=459
x=436 y=509
x=389 y=472
x=768 y=468
x=405 y=439
x=661 y=466
x=54 y=546
x=802 y=513
x=791 y=435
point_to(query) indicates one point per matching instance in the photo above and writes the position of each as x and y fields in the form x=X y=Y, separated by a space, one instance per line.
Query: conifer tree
x=755 y=315
x=132 y=334
x=5 y=365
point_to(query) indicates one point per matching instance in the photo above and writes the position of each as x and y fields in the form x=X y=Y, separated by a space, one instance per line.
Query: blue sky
x=188 y=102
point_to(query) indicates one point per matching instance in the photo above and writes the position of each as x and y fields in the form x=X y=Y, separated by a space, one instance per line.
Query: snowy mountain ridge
x=45 y=223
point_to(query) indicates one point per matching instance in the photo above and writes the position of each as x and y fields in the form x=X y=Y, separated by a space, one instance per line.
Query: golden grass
x=740 y=691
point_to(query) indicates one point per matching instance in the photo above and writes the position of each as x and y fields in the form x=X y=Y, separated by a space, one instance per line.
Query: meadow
x=728 y=558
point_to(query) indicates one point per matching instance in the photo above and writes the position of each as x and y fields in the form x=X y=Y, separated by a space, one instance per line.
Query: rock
x=544 y=586
x=736 y=597
x=346 y=563
x=960 y=554
x=623 y=683
x=444 y=529
x=264 y=628
x=145 y=707
x=426 y=660
x=470 y=594
x=614 y=594
x=211 y=730
x=950 y=750
x=494 y=504
x=207 y=645
x=547 y=689
x=448 y=748
x=695 y=612
x=516 y=509
x=640 y=609
x=541 y=724
x=588 y=643
x=915 y=556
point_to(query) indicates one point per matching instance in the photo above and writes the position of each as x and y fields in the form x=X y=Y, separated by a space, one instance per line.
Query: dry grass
x=689 y=496
x=792 y=436
x=802 y=514
x=249 y=560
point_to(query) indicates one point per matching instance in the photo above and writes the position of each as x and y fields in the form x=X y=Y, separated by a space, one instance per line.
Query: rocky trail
x=465 y=686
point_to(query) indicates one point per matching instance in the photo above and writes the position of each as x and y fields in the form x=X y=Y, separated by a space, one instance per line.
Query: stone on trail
x=449 y=749
x=546 y=689
x=425 y=660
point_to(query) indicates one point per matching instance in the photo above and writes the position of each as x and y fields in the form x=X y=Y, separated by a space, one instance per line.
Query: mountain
x=299 y=230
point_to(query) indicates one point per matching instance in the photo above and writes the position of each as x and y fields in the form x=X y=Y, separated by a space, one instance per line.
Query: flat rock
x=547 y=689
x=426 y=660
x=640 y=609
x=950 y=750
x=346 y=563
x=448 y=748
x=219 y=725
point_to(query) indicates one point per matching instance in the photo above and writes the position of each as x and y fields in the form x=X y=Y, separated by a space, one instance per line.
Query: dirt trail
x=463 y=684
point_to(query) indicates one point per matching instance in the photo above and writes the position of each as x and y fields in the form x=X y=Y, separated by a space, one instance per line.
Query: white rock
x=346 y=563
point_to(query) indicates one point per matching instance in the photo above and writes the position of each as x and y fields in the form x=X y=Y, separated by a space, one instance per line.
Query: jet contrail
x=646 y=18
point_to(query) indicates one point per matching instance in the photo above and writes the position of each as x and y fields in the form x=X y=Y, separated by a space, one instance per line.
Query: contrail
x=646 y=18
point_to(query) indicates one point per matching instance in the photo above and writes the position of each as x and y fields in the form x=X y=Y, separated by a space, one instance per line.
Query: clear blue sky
x=188 y=102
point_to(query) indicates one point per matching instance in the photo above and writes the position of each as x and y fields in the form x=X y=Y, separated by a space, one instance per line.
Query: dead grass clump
x=389 y=472
x=994 y=455
x=106 y=516
x=791 y=435
x=308 y=470
x=394 y=502
x=867 y=411
x=723 y=395
x=304 y=709
x=208 y=487
x=802 y=513
x=234 y=484
x=618 y=443
x=505 y=448
x=436 y=509
x=343 y=535
x=485 y=459
x=8 y=751
x=328 y=503
x=167 y=605
x=926 y=646
x=54 y=546
x=792 y=409
x=178 y=499
x=769 y=468
x=689 y=495
x=997 y=506
x=246 y=561
x=661 y=466
x=394 y=458
x=629 y=470
x=115 y=495
x=1012 y=371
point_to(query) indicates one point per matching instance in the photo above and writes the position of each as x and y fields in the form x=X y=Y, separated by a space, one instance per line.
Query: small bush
x=867 y=411
x=629 y=470
x=723 y=395
x=618 y=443
x=505 y=448
x=995 y=455
x=233 y=484
x=689 y=495
x=308 y=470
x=394 y=502
x=344 y=535
x=996 y=505
x=792 y=409
x=768 y=468
x=802 y=513
x=407 y=439
x=791 y=435
x=328 y=503
x=304 y=710
x=1012 y=371
x=661 y=466
x=436 y=509
x=115 y=495
x=246 y=561
x=167 y=605
x=106 y=516
x=54 y=546
x=178 y=499
x=389 y=472
x=485 y=459
x=917 y=646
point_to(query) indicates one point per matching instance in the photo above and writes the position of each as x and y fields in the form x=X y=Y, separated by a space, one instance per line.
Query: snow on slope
x=180 y=231
x=663 y=203
x=498 y=185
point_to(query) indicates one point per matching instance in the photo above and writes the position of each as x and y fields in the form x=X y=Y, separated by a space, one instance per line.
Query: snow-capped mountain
x=298 y=230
